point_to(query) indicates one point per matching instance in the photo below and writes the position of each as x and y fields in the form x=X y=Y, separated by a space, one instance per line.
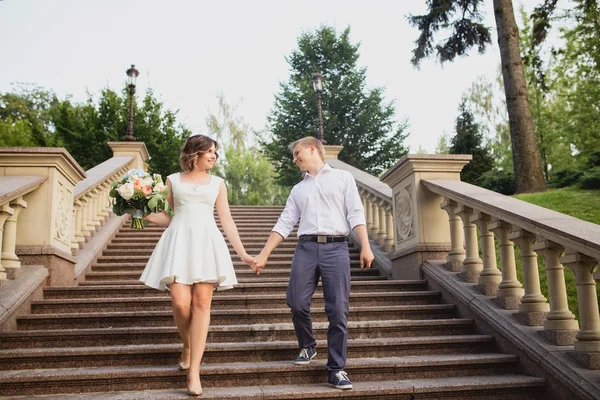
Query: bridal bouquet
x=139 y=194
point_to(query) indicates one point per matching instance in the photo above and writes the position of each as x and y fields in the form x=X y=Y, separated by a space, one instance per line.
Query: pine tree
x=353 y=116
x=469 y=140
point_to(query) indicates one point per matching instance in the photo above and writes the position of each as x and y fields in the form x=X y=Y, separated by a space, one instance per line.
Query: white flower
x=158 y=188
x=157 y=177
x=126 y=190
x=147 y=181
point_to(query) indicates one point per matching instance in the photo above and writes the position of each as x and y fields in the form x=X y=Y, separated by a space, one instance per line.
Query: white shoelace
x=342 y=376
x=304 y=353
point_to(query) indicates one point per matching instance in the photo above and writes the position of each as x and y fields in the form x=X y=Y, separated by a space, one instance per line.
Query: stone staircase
x=112 y=338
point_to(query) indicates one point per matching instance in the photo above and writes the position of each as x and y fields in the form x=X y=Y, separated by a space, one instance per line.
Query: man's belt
x=323 y=238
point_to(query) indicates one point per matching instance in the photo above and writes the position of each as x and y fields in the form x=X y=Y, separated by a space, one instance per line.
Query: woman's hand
x=248 y=259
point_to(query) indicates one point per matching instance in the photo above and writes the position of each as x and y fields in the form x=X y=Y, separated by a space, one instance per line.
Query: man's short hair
x=309 y=141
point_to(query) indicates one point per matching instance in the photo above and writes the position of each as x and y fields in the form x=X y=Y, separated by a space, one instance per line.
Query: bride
x=192 y=251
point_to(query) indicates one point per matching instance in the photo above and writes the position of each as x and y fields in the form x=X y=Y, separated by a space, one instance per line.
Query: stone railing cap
x=552 y=225
x=14 y=186
x=100 y=173
x=46 y=150
x=364 y=179
x=443 y=159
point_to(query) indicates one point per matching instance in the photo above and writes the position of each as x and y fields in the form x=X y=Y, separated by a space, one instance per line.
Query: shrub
x=590 y=179
x=500 y=181
x=564 y=177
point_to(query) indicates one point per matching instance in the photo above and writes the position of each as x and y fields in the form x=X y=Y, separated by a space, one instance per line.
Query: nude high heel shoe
x=184 y=366
x=194 y=390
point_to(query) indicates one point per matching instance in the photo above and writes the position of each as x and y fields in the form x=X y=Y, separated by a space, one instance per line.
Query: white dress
x=192 y=249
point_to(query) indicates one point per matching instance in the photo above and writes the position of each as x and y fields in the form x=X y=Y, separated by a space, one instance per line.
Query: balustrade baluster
x=490 y=276
x=510 y=289
x=457 y=252
x=472 y=265
x=10 y=260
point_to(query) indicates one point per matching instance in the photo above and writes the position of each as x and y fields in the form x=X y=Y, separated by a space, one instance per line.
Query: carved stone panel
x=404 y=219
x=62 y=221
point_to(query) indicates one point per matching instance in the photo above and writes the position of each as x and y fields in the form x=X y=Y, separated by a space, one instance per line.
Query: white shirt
x=327 y=204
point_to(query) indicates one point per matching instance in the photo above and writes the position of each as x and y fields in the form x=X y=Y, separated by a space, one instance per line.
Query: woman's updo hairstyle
x=194 y=147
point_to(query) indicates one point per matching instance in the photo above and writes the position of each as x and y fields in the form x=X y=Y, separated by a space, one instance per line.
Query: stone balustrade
x=91 y=204
x=376 y=197
x=50 y=207
x=13 y=189
x=557 y=238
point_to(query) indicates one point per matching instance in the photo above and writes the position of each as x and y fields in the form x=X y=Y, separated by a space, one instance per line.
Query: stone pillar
x=5 y=212
x=332 y=152
x=587 y=343
x=421 y=230
x=533 y=307
x=457 y=253
x=382 y=226
x=368 y=214
x=389 y=222
x=490 y=276
x=560 y=326
x=472 y=265
x=10 y=260
x=510 y=290
x=137 y=150
x=375 y=216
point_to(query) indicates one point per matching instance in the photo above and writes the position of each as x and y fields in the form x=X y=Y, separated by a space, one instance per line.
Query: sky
x=190 y=51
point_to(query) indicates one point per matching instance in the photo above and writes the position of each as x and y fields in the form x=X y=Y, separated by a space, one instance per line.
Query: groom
x=328 y=204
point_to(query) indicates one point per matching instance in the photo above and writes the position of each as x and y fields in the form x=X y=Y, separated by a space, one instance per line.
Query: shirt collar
x=326 y=168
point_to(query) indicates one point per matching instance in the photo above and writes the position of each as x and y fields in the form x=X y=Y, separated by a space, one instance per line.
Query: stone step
x=133 y=272
x=225 y=302
x=87 y=292
x=243 y=231
x=133 y=257
x=247 y=240
x=121 y=249
x=253 y=278
x=168 y=354
x=115 y=336
x=494 y=387
x=109 y=379
x=224 y=317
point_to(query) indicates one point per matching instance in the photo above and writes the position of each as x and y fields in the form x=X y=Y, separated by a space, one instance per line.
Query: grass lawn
x=579 y=203
x=582 y=204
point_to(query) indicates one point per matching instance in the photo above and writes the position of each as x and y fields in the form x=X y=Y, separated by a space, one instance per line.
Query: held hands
x=260 y=262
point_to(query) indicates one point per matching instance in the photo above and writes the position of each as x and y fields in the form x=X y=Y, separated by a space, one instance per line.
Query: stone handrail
x=559 y=239
x=91 y=205
x=376 y=197
x=12 y=191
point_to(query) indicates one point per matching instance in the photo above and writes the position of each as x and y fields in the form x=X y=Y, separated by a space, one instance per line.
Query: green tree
x=25 y=116
x=487 y=102
x=32 y=116
x=443 y=147
x=469 y=140
x=250 y=177
x=353 y=116
x=463 y=18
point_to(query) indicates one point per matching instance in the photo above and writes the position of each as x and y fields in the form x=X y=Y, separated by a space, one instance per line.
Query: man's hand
x=366 y=257
x=260 y=262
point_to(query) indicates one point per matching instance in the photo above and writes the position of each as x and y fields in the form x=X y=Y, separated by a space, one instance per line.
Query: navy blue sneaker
x=340 y=380
x=306 y=354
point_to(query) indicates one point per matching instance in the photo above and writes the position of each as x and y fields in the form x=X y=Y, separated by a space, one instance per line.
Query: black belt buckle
x=321 y=239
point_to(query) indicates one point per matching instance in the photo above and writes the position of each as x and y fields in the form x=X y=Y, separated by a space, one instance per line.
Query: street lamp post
x=132 y=74
x=317 y=80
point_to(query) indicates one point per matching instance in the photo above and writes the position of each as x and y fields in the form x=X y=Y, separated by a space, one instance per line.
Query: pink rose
x=137 y=184
x=146 y=190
